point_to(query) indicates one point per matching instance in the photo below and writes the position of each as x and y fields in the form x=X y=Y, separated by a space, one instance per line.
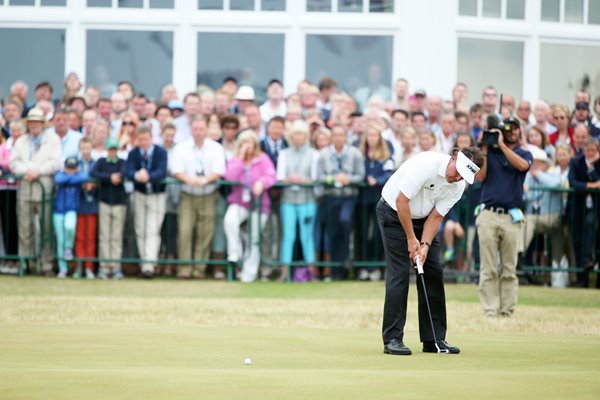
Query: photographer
x=500 y=219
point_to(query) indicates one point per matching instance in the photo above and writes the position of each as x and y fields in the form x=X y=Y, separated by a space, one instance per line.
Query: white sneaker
x=62 y=275
x=375 y=275
x=89 y=274
x=363 y=275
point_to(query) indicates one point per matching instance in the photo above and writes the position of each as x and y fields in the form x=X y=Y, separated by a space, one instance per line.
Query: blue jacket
x=579 y=176
x=157 y=168
x=274 y=156
x=88 y=201
x=109 y=193
x=381 y=171
x=68 y=189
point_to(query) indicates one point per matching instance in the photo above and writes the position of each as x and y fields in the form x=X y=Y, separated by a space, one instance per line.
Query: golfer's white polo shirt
x=422 y=179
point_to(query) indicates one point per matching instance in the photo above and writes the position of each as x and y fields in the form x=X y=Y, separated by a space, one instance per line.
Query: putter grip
x=419 y=266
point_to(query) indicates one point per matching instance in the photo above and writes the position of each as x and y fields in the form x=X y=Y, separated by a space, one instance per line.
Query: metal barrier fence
x=308 y=230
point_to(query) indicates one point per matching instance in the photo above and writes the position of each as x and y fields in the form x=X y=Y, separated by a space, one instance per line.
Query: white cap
x=245 y=93
x=539 y=154
x=466 y=168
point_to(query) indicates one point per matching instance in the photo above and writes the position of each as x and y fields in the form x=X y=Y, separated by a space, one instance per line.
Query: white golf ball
x=248 y=361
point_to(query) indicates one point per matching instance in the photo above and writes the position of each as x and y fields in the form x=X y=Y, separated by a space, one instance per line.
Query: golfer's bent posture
x=412 y=206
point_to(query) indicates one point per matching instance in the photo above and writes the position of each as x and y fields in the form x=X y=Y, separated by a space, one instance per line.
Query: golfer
x=413 y=203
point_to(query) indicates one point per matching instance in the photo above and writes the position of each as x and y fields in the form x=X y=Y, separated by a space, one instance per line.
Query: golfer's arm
x=404 y=215
x=431 y=226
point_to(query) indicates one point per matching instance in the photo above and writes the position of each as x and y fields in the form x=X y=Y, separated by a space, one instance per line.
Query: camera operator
x=500 y=218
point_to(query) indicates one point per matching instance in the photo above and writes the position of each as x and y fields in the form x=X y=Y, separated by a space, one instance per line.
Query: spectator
x=118 y=109
x=418 y=121
x=419 y=103
x=255 y=122
x=89 y=118
x=434 y=111
x=92 y=94
x=401 y=95
x=447 y=135
x=8 y=197
x=584 y=174
x=293 y=113
x=580 y=135
x=147 y=167
x=222 y=103
x=110 y=171
x=72 y=86
x=308 y=99
x=460 y=97
x=169 y=226
x=542 y=115
x=358 y=123
x=168 y=93
x=581 y=115
x=161 y=116
x=191 y=108
x=126 y=136
x=523 y=114
x=18 y=90
x=77 y=103
x=207 y=104
x=68 y=137
x=13 y=109
x=36 y=156
x=595 y=121
x=68 y=189
x=475 y=116
x=297 y=166
x=409 y=146
x=138 y=106
x=340 y=166
x=274 y=143
x=537 y=138
x=75 y=120
x=375 y=87
x=230 y=126
x=327 y=87
x=198 y=163
x=244 y=98
x=100 y=132
x=427 y=141
x=104 y=110
x=256 y=173
x=230 y=86
x=378 y=167
x=43 y=91
x=126 y=89
x=274 y=106
x=87 y=215
x=563 y=133
x=489 y=100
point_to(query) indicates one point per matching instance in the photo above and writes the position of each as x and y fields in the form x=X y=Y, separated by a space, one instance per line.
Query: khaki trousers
x=498 y=236
x=196 y=216
x=148 y=215
x=31 y=227
x=111 y=220
x=547 y=224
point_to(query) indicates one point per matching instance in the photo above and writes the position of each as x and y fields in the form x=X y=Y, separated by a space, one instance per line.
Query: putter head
x=420 y=269
x=441 y=351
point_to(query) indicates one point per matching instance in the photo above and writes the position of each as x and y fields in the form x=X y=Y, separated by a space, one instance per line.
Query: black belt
x=497 y=210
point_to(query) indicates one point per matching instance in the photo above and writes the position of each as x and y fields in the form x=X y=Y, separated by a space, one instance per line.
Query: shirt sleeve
x=444 y=205
x=176 y=162
x=418 y=170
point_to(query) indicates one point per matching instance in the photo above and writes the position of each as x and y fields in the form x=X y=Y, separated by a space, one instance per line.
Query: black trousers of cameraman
x=398 y=279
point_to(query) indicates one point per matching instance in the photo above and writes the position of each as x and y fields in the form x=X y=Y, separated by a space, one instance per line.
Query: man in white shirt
x=197 y=163
x=274 y=106
x=413 y=203
x=191 y=108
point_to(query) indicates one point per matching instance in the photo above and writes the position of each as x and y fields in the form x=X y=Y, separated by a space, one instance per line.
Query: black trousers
x=397 y=280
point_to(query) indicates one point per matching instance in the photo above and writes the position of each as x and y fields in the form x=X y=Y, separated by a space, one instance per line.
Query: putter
x=420 y=273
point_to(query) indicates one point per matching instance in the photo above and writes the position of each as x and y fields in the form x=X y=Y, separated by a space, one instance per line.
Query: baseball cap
x=71 y=162
x=111 y=143
x=466 y=168
x=512 y=121
x=175 y=105
x=582 y=105
x=420 y=93
x=245 y=93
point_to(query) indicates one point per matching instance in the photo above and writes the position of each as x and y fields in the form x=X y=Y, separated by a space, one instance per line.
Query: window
x=162 y=3
x=491 y=62
x=272 y=5
x=47 y=42
x=210 y=4
x=318 y=5
x=99 y=3
x=551 y=10
x=467 y=8
x=131 y=3
x=515 y=9
x=54 y=3
x=564 y=69
x=382 y=6
x=245 y=5
x=594 y=12
x=22 y=2
x=360 y=64
x=144 y=58
x=252 y=58
x=492 y=8
x=350 y=5
x=574 y=11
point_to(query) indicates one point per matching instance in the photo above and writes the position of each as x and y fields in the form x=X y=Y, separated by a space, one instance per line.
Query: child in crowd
x=68 y=187
x=110 y=172
x=87 y=217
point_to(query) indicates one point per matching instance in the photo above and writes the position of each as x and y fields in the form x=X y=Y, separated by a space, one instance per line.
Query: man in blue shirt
x=498 y=224
x=69 y=138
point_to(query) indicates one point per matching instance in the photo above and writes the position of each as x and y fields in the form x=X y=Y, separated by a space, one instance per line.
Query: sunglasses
x=125 y=123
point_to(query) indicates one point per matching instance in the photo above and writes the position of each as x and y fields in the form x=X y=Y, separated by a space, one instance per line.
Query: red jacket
x=554 y=137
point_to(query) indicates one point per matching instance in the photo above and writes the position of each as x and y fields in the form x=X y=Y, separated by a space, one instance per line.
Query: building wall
x=530 y=48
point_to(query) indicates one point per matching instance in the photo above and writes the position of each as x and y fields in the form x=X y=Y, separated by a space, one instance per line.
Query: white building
x=529 y=48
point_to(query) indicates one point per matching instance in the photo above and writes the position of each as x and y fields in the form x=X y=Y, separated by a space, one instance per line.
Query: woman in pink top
x=256 y=173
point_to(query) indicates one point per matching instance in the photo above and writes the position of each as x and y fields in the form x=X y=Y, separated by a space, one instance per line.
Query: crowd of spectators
x=308 y=171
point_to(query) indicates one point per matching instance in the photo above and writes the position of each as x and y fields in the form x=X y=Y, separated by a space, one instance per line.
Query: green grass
x=188 y=340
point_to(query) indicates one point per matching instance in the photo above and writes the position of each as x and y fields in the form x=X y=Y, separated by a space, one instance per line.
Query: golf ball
x=248 y=361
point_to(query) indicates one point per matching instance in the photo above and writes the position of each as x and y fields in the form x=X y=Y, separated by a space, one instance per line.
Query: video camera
x=490 y=135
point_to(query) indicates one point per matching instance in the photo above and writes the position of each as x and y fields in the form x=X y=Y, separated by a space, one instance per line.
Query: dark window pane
x=210 y=4
x=385 y=6
x=22 y=2
x=54 y=3
x=492 y=8
x=350 y=5
x=49 y=42
x=272 y=5
x=131 y=3
x=594 y=12
x=360 y=64
x=318 y=5
x=515 y=9
x=162 y=3
x=491 y=62
x=252 y=58
x=574 y=11
x=550 y=10
x=143 y=58
x=467 y=8
x=99 y=3
x=245 y=5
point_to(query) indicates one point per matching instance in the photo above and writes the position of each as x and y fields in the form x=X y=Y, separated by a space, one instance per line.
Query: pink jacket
x=261 y=168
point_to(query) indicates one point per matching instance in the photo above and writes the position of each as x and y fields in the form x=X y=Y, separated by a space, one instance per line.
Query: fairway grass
x=188 y=340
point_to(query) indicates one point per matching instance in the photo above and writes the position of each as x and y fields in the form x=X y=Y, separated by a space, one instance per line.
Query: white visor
x=466 y=168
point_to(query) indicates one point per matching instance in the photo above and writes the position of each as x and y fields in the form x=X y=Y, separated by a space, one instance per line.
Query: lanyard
x=338 y=161
x=34 y=144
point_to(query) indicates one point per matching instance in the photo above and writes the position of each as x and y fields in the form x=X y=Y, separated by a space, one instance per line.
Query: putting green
x=165 y=339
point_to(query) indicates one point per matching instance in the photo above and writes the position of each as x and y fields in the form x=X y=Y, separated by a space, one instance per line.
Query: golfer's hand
x=413 y=248
x=423 y=250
